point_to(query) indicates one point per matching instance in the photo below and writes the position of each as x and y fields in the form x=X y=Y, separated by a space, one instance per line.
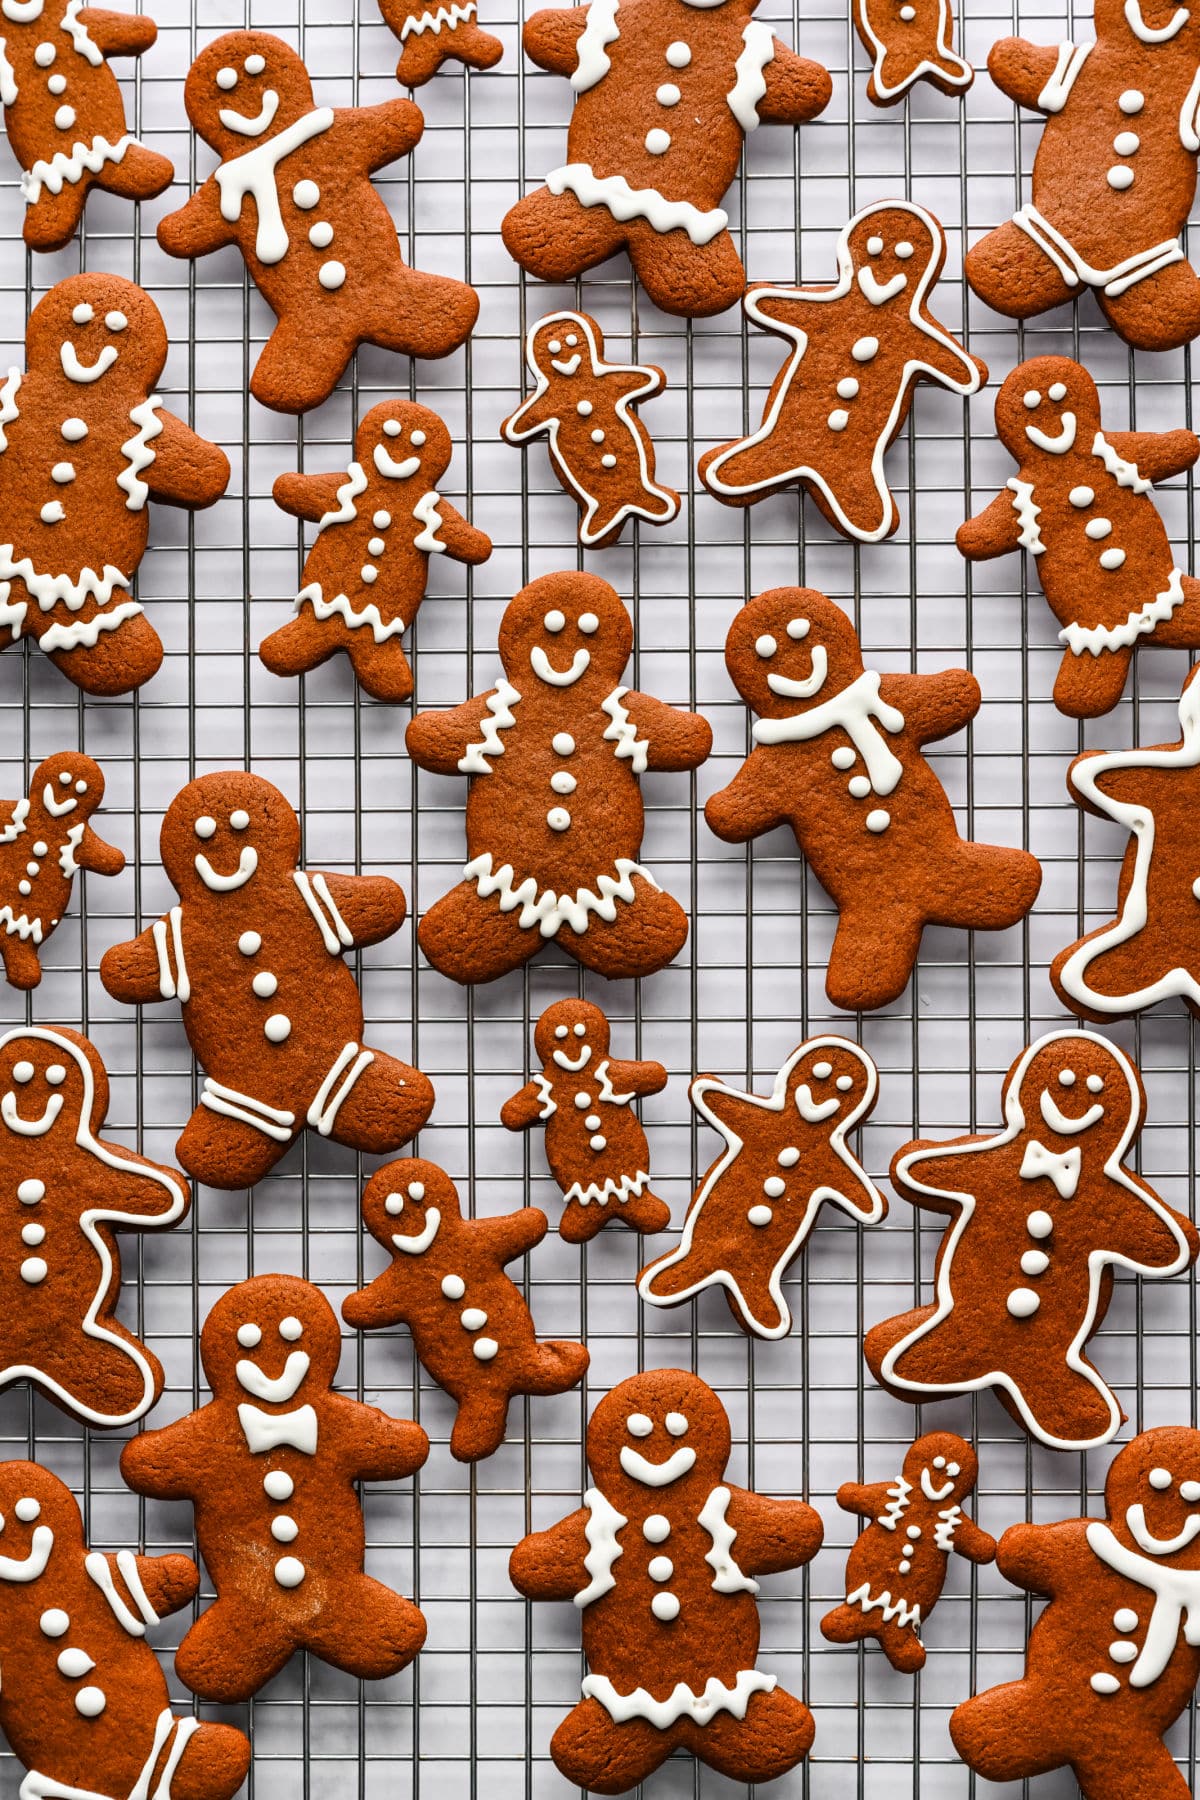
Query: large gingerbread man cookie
x=859 y=348
x=293 y=192
x=660 y=1561
x=896 y=1568
x=1043 y=1212
x=432 y=32
x=1080 y=504
x=45 y=839
x=665 y=93
x=1113 y=1659
x=554 y=812
x=378 y=524
x=838 y=756
x=84 y=1703
x=65 y=115
x=253 y=953
x=1151 y=950
x=1114 y=177
x=85 y=444
x=472 y=1330
x=595 y=1144
x=270 y=1466
x=785 y=1155
x=60 y=1268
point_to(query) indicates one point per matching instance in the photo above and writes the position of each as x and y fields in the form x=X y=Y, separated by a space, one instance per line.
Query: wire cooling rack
x=475 y=1715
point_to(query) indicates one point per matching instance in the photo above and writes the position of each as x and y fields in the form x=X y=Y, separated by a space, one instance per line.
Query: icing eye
x=418 y=438
x=639 y=1425
x=939 y=1462
x=1058 y=391
x=204 y=826
x=239 y=819
x=27 y=1511
x=290 y=1329
x=394 y=1204
x=249 y=1336
x=254 y=65
x=392 y=428
x=1066 y=1078
x=560 y=1031
x=1190 y=1491
x=554 y=621
x=874 y=246
x=822 y=1070
x=765 y=646
x=797 y=629
x=572 y=341
x=65 y=777
x=116 y=321
x=904 y=251
x=23 y=1072
x=416 y=1190
x=588 y=623
x=83 y=314
x=1032 y=399
x=1160 y=1479
x=952 y=1468
x=581 y=1031
x=676 y=1424
x=56 y=1074
x=1095 y=1084
x=81 y=787
x=844 y=1083
x=226 y=79
x=554 y=346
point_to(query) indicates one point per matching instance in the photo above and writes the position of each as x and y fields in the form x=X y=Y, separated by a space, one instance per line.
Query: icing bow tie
x=266 y=1431
x=1063 y=1170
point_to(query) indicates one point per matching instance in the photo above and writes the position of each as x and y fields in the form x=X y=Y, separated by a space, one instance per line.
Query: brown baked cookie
x=595 y=1145
x=254 y=954
x=664 y=97
x=554 y=811
x=897 y=1567
x=62 y=1269
x=44 y=840
x=1043 y=1212
x=1151 y=950
x=599 y=449
x=859 y=348
x=65 y=114
x=84 y=1703
x=785 y=1155
x=293 y=192
x=838 y=756
x=432 y=32
x=661 y=1560
x=1113 y=179
x=1080 y=504
x=269 y=1465
x=472 y=1330
x=1113 y=1659
x=85 y=443
x=378 y=524
x=909 y=41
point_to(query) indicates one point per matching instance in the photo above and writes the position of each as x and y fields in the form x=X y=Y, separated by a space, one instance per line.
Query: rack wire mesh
x=475 y=1714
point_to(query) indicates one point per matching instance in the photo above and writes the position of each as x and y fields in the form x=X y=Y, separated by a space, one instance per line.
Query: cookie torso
x=63 y=108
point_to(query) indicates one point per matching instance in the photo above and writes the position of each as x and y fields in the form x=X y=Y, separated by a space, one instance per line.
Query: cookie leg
x=646 y=934
x=304 y=643
x=902 y=1647
x=225 y=1153
x=1144 y=1767
x=232 y=1650
x=1009 y=1732
x=555 y=1367
x=594 y=1752
x=102 y=1376
x=872 y=956
x=382 y=670
x=477 y=49
x=140 y=174
x=690 y=280
x=1014 y=276
x=984 y=887
x=886 y=1335
x=213 y=1766
x=388 y=1104
x=421 y=59
x=1127 y=968
x=299 y=367
x=1066 y=1405
x=118 y=662
x=1160 y=313
x=555 y=237
x=479 y=1425
x=423 y=315
x=21 y=965
x=366 y=1629
x=470 y=939
x=848 y=1624
x=643 y=1212
x=1087 y=686
x=52 y=222
x=580 y=1224
x=775 y=1734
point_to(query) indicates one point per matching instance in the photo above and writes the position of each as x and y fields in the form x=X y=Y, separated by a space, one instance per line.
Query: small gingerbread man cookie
x=293 y=192
x=599 y=448
x=595 y=1145
x=785 y=1155
x=897 y=1566
x=909 y=41
x=436 y=31
x=377 y=527
x=270 y=1466
x=44 y=840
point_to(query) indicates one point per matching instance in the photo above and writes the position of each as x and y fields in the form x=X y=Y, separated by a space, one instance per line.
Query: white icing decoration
x=1176 y=1600
x=1028 y=512
x=1057 y=443
x=750 y=83
x=545 y=670
x=336 y=935
x=682 y=1702
x=1074 y=268
x=624 y=202
x=279 y=1388
x=425 y=512
x=1150 y=34
x=500 y=718
x=603 y=1524
x=252 y=127
x=623 y=732
x=138 y=453
x=549 y=910
x=27 y=1568
x=71 y=166
x=272 y=1121
x=932 y=1492
x=451 y=16
x=225 y=884
x=856 y=709
x=1062 y=1122
x=657 y=1474
x=898 y=1609
x=1062 y=1169
x=592 y=62
x=1071 y=58
x=617 y=1189
x=254 y=174
x=1092 y=639
x=268 y=1431
x=727 y=1577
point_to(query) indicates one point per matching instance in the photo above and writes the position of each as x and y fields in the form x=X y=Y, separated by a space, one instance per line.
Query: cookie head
x=828 y=1082
x=404 y=442
x=65 y=790
x=790 y=649
x=1152 y=1494
x=224 y=832
x=572 y=1035
x=563 y=347
x=890 y=249
x=1045 y=408
x=569 y=631
x=273 y=1340
x=98 y=334
x=1140 y=22
x=658 y=1442
x=408 y=1205
x=942 y=1468
x=51 y=1085
x=37 y=1514
x=1077 y=1089
x=246 y=86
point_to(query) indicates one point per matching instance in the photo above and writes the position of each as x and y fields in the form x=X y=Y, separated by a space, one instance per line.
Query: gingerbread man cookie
x=72 y=1190
x=84 y=1703
x=661 y=1560
x=269 y=1465
x=1113 y=179
x=1043 y=1212
x=65 y=114
x=85 y=443
x=293 y=192
x=558 y=727
x=1079 y=503
x=664 y=97
x=595 y=1144
x=859 y=349
x=377 y=527
x=472 y=1330
x=785 y=1155
x=910 y=42
x=599 y=449
x=1113 y=1659
x=438 y=32
x=838 y=756
x=44 y=839
x=1151 y=950
x=253 y=953
x=897 y=1566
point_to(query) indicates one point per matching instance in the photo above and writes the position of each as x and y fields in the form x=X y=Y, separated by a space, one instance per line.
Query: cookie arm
x=746 y=808
x=797 y=88
x=438 y=740
x=949 y=1173
x=370 y=907
x=1021 y=69
x=933 y=705
x=971 y=1541
x=513 y=1234
x=772 y=1535
x=100 y=858
x=551 y=37
x=1135 y=1230
x=378 y=1447
x=1115 y=784
x=197 y=227
x=994 y=532
x=379 y=1304
x=131 y=972
x=867 y=1500
x=522 y=1109
x=464 y=541
x=168 y=1582
x=187 y=470
x=535 y=413
x=307 y=496
x=548 y=1565
x=1031 y=1556
x=675 y=739
x=377 y=135
x=637 y=1077
x=171 y=1463
x=118 y=34
x=1157 y=455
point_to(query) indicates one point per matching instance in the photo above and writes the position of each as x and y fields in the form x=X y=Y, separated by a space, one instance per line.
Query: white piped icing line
x=1074 y=268
x=623 y=733
x=49 y=591
x=9 y=407
x=138 y=453
x=948 y=1521
x=445 y=17
x=857 y=709
x=272 y=1121
x=592 y=61
x=898 y=1503
x=603 y=1524
x=1176 y=1602
x=355 y=617
x=625 y=202
x=500 y=718
x=682 y=1702
x=947 y=67
x=548 y=910
x=1092 y=639
x=897 y=1610
x=70 y=166
x=616 y=1189
x=253 y=175
x=750 y=83
x=727 y=1577
x=1028 y=513
x=426 y=513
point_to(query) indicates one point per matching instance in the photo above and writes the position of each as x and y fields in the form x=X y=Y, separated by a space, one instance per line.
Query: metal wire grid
x=475 y=1714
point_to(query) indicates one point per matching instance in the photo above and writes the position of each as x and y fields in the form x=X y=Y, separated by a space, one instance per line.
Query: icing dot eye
x=116 y=321
x=226 y=79
x=418 y=438
x=249 y=1336
x=554 y=346
x=822 y=1070
x=239 y=819
x=952 y=1468
x=23 y=1072
x=1160 y=1479
x=560 y=1031
x=844 y=1083
x=904 y=251
x=1032 y=399
x=1095 y=1084
x=572 y=341
x=939 y=1462
x=1190 y=1491
x=56 y=1074
x=554 y=621
x=581 y=1031
x=797 y=629
x=27 y=1510
x=639 y=1425
x=1066 y=1078
x=83 y=314
x=204 y=826
x=416 y=1190
x=392 y=428
x=394 y=1204
x=65 y=777
x=81 y=787
x=874 y=246
x=588 y=623
x=290 y=1329
x=254 y=65
x=765 y=646
x=676 y=1424
x=1058 y=391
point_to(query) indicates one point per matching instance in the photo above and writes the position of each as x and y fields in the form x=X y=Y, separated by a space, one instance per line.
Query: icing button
x=29 y=1192
x=656 y=1529
x=558 y=818
x=64 y=118
x=878 y=820
x=598 y=1142
x=1034 y=1262
x=54 y=1622
x=1039 y=1224
x=284 y=1529
x=1131 y=101
x=1120 y=177
x=1127 y=143
x=760 y=1215
x=679 y=54
x=665 y=1607
x=563 y=744
x=789 y=1157
x=774 y=1187
x=1104 y=1683
x=1123 y=1652
x=838 y=419
x=474 y=1318
x=485 y=1348
x=1081 y=496
x=73 y=1663
x=289 y=1571
x=658 y=141
x=1022 y=1303
x=1098 y=528
x=1111 y=559
x=1125 y=1619
x=562 y=783
x=843 y=757
x=668 y=94
x=660 y=1568
x=331 y=275
x=864 y=349
x=453 y=1286
x=278 y=1485
x=592 y=1121
x=33 y=1271
x=32 y=1234
x=858 y=786
x=278 y=1028
x=90 y=1702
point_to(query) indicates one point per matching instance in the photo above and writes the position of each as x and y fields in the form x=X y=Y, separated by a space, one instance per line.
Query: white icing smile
x=29 y=1127
x=878 y=292
x=814 y=1110
x=398 y=471
x=225 y=884
x=28 y=1568
x=414 y=1246
x=234 y=121
x=56 y=808
x=934 y=1493
x=22 y=12
x=812 y=683
x=282 y=1387
x=652 y=1474
x=78 y=371
x=567 y=365
x=1150 y=34
x=573 y=1063
x=1135 y=1518
x=1045 y=440
x=1062 y=1123
x=542 y=667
